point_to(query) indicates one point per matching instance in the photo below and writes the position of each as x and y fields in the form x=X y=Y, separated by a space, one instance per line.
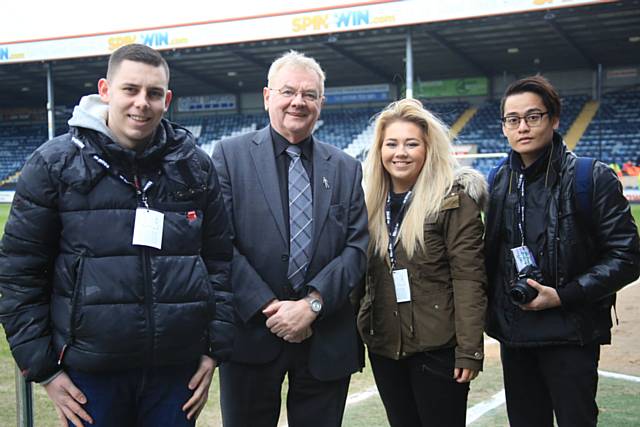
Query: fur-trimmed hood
x=474 y=184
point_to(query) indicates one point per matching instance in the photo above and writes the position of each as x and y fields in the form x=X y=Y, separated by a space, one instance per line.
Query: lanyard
x=141 y=191
x=521 y=208
x=394 y=229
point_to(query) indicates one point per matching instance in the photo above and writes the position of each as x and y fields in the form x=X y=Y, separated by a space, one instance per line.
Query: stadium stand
x=613 y=136
x=17 y=142
x=485 y=129
x=341 y=127
x=448 y=112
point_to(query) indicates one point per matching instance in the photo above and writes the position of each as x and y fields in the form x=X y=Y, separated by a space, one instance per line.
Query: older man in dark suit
x=300 y=237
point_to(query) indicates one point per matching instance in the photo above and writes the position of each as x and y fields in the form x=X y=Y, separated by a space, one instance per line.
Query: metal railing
x=24 y=401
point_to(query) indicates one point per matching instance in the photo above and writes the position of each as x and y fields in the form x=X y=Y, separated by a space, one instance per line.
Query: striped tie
x=300 y=218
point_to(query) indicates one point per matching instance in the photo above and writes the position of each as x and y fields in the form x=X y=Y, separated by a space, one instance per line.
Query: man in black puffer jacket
x=115 y=259
x=550 y=344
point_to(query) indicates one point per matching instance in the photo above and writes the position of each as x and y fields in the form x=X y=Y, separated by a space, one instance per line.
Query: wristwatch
x=315 y=304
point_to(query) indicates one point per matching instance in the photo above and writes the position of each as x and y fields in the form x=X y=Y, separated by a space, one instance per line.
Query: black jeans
x=542 y=381
x=420 y=390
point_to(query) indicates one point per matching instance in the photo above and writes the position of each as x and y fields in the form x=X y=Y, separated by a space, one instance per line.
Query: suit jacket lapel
x=264 y=161
x=323 y=183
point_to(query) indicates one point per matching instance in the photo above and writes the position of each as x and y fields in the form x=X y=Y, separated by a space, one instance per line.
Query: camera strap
x=394 y=229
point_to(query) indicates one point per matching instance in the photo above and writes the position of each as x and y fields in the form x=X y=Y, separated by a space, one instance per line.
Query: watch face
x=316 y=306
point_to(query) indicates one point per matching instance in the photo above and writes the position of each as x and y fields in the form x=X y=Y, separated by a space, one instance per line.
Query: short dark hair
x=137 y=53
x=541 y=87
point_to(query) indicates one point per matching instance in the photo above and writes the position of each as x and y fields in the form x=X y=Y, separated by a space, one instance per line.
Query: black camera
x=521 y=292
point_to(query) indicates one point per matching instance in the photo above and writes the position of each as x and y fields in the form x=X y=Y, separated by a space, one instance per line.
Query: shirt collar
x=280 y=144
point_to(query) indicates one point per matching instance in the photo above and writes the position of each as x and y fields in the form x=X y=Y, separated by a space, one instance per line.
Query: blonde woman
x=422 y=313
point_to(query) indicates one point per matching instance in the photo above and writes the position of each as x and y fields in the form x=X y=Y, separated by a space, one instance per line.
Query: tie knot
x=294 y=151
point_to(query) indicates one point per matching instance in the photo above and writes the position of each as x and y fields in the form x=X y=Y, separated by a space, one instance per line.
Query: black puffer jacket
x=73 y=286
x=597 y=256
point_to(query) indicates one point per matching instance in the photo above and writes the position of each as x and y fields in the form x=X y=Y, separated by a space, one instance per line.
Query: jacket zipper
x=370 y=291
x=146 y=276
x=556 y=240
x=148 y=294
x=72 y=315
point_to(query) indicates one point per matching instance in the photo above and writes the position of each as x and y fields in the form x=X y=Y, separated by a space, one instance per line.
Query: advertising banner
x=356 y=94
x=206 y=103
x=470 y=86
x=270 y=20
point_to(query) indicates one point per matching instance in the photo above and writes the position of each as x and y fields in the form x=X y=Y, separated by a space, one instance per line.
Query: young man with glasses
x=300 y=239
x=553 y=270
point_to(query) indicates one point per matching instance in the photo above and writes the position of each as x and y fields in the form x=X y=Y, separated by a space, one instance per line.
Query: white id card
x=147 y=229
x=523 y=257
x=401 y=283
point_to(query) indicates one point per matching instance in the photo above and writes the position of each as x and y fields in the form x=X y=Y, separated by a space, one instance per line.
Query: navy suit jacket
x=248 y=178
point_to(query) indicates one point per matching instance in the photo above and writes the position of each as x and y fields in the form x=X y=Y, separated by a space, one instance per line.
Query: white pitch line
x=477 y=411
x=498 y=399
x=482 y=408
x=618 y=376
x=364 y=395
x=355 y=398
x=630 y=285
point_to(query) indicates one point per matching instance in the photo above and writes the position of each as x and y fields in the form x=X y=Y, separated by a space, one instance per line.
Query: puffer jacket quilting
x=75 y=289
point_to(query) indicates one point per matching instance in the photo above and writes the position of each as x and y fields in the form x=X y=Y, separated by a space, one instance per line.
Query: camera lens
x=518 y=296
x=521 y=292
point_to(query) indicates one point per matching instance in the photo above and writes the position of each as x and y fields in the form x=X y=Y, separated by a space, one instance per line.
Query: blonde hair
x=432 y=185
x=296 y=59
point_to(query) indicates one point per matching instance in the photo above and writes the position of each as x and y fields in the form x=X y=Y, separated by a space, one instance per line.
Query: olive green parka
x=447 y=283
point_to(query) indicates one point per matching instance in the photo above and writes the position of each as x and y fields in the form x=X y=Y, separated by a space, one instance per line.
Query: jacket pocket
x=433 y=317
x=365 y=313
x=337 y=213
x=75 y=296
x=209 y=291
x=365 y=318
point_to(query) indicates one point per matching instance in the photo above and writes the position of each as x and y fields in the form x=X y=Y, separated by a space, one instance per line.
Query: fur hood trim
x=474 y=184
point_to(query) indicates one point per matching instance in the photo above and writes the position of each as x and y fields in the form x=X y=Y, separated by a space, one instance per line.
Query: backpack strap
x=493 y=172
x=583 y=187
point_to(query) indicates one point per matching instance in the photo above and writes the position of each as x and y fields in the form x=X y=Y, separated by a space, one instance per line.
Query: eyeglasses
x=532 y=120
x=307 y=95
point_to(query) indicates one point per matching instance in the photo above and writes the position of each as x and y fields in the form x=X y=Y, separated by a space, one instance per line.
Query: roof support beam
x=206 y=79
x=568 y=40
x=458 y=53
x=372 y=68
x=251 y=59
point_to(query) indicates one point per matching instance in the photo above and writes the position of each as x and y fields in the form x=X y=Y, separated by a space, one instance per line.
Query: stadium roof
x=559 y=39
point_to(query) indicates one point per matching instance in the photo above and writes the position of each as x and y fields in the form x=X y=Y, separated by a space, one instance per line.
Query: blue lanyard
x=521 y=208
x=395 y=228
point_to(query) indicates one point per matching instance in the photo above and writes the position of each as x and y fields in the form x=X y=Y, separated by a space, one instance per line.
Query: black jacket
x=74 y=287
x=586 y=259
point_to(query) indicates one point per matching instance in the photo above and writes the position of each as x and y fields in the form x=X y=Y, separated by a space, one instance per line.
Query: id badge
x=523 y=257
x=401 y=284
x=147 y=228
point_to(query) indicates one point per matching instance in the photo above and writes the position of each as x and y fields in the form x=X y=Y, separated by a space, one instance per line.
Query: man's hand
x=290 y=320
x=267 y=308
x=306 y=333
x=464 y=375
x=67 y=400
x=547 y=297
x=200 y=383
